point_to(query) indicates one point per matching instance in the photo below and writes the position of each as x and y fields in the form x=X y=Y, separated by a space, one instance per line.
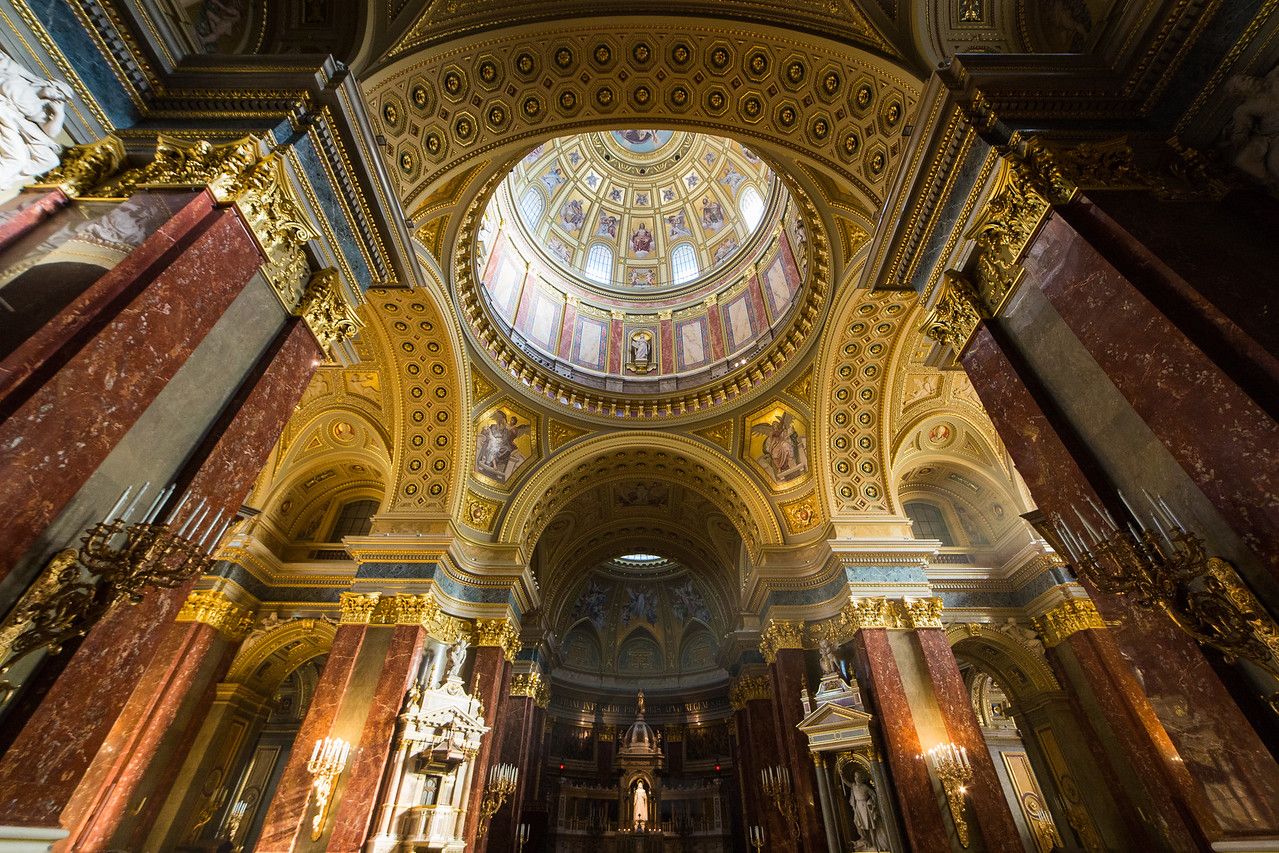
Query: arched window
x=354 y=519
x=599 y=263
x=751 y=204
x=929 y=522
x=683 y=263
x=531 y=205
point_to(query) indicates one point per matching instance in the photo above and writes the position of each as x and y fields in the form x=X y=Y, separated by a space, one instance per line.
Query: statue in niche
x=457 y=657
x=1254 y=133
x=641 y=798
x=866 y=817
x=826 y=653
x=32 y=111
x=641 y=352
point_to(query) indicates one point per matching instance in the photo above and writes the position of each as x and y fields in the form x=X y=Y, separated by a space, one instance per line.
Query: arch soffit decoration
x=1002 y=655
x=299 y=639
x=653 y=455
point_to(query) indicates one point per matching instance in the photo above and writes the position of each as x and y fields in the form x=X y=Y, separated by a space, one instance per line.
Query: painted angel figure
x=783 y=446
x=495 y=449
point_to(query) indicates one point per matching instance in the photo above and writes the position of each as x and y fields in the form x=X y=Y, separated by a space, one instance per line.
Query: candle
x=124 y=496
x=315 y=753
x=177 y=509
x=128 y=513
x=1172 y=517
x=186 y=525
x=155 y=507
x=1132 y=512
x=208 y=531
x=1087 y=527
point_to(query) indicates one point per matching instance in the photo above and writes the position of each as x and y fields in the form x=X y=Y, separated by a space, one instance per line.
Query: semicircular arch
x=1021 y=671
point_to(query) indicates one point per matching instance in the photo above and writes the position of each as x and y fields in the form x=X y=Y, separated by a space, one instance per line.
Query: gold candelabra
x=757 y=837
x=776 y=784
x=325 y=765
x=233 y=821
x=522 y=836
x=1164 y=565
x=129 y=550
x=501 y=784
x=950 y=763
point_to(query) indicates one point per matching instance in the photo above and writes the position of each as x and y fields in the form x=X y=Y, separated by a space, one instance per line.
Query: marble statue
x=1255 y=131
x=866 y=817
x=457 y=657
x=826 y=652
x=641 y=803
x=32 y=111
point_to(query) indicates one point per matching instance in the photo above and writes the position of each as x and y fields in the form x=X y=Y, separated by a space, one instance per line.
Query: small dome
x=640 y=737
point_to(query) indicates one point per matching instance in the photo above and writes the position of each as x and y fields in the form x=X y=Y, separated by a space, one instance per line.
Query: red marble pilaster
x=787 y=671
x=34 y=208
x=715 y=331
x=286 y=816
x=1222 y=438
x=490 y=682
x=615 y=345
x=568 y=328
x=666 y=352
x=916 y=801
x=986 y=796
x=62 y=432
x=519 y=741
x=367 y=765
x=161 y=713
x=758 y=748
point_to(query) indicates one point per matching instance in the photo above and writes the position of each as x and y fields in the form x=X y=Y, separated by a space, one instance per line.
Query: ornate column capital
x=1067 y=618
x=84 y=167
x=922 y=612
x=357 y=608
x=746 y=688
x=325 y=310
x=533 y=686
x=212 y=607
x=780 y=635
x=956 y=313
x=498 y=632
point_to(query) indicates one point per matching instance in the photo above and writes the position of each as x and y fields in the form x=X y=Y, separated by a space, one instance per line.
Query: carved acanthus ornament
x=780 y=635
x=922 y=612
x=357 y=608
x=326 y=311
x=1067 y=618
x=212 y=607
x=498 y=632
x=405 y=609
x=748 y=688
x=955 y=315
x=84 y=167
x=533 y=686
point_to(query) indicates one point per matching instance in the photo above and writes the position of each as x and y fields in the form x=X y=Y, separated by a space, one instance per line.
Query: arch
x=532 y=206
x=599 y=263
x=929 y=521
x=674 y=458
x=751 y=205
x=1021 y=670
x=265 y=660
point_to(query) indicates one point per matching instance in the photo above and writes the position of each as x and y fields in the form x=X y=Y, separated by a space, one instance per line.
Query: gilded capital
x=922 y=612
x=955 y=315
x=533 y=686
x=325 y=310
x=861 y=613
x=747 y=688
x=357 y=607
x=498 y=632
x=780 y=635
x=84 y=167
x=212 y=607
x=1067 y=618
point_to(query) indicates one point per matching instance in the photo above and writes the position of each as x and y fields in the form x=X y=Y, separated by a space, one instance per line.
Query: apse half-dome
x=639 y=263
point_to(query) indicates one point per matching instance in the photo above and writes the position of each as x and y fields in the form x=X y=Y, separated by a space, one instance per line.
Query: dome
x=639 y=738
x=639 y=263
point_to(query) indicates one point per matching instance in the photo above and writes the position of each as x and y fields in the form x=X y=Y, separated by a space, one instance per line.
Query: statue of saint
x=32 y=111
x=865 y=804
x=830 y=663
x=457 y=657
x=641 y=806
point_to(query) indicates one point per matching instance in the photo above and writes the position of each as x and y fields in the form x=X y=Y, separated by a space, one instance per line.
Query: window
x=354 y=519
x=532 y=205
x=683 y=263
x=751 y=204
x=929 y=522
x=599 y=263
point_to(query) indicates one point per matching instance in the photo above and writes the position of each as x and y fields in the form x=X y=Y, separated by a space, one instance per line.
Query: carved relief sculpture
x=32 y=111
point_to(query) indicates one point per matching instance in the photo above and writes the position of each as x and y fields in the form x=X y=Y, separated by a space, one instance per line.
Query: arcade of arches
x=528 y=426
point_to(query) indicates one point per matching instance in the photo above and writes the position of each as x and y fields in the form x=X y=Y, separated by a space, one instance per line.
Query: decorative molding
x=956 y=313
x=85 y=166
x=357 y=608
x=501 y=633
x=922 y=612
x=479 y=512
x=748 y=688
x=720 y=434
x=326 y=311
x=560 y=434
x=1066 y=619
x=212 y=607
x=780 y=635
x=803 y=514
x=533 y=686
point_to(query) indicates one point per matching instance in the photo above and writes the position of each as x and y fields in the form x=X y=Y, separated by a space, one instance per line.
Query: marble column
x=882 y=684
x=521 y=734
x=353 y=820
x=490 y=682
x=986 y=795
x=67 y=420
x=758 y=748
x=28 y=210
x=787 y=673
x=286 y=818
x=84 y=710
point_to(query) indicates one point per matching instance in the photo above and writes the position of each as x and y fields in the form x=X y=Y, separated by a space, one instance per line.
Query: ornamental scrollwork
x=84 y=167
x=326 y=312
x=956 y=314
x=780 y=635
x=212 y=607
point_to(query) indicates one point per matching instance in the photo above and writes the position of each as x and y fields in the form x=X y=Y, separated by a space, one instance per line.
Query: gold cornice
x=922 y=612
x=375 y=609
x=212 y=607
x=501 y=633
x=748 y=688
x=879 y=612
x=1067 y=618
x=85 y=166
x=326 y=311
x=780 y=635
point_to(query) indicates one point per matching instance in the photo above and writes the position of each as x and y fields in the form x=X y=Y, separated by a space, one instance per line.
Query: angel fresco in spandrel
x=785 y=453
x=496 y=454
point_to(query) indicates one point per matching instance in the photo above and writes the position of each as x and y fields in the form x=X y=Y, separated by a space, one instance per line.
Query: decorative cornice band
x=211 y=607
x=904 y=614
x=1066 y=619
x=498 y=632
x=533 y=686
x=373 y=608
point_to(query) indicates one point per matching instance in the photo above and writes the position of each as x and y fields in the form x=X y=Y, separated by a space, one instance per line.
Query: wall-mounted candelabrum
x=1159 y=563
x=129 y=550
x=757 y=837
x=776 y=784
x=325 y=765
x=522 y=836
x=501 y=784
x=950 y=763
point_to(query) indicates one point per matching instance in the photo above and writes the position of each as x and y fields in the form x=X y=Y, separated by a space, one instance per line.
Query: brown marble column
x=285 y=822
x=758 y=748
x=491 y=682
x=787 y=674
x=521 y=734
x=352 y=822
x=986 y=795
x=882 y=684
x=78 y=386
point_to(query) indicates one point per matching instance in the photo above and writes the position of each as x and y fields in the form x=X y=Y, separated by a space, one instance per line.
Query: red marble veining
x=615 y=345
x=986 y=795
x=29 y=364
x=1225 y=442
x=351 y=822
x=715 y=331
x=59 y=436
x=568 y=325
x=787 y=672
x=48 y=758
x=667 y=350
x=490 y=681
x=916 y=801
x=289 y=807
x=35 y=208
x=191 y=659
x=517 y=747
